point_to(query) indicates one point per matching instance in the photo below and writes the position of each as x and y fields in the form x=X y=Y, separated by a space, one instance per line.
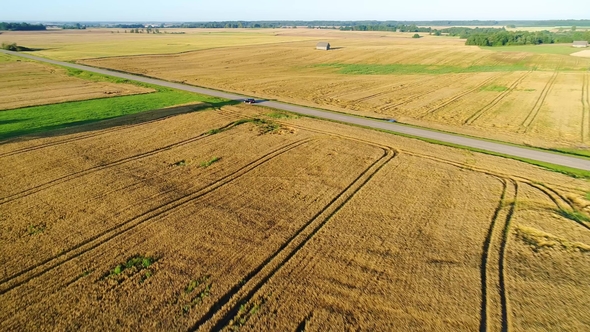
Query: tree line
x=76 y=26
x=21 y=26
x=502 y=37
x=386 y=27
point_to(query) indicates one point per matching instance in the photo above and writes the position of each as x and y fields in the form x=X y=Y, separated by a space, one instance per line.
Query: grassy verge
x=37 y=119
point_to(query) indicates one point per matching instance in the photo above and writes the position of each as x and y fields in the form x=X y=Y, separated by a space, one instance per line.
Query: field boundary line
x=85 y=246
x=243 y=292
x=495 y=101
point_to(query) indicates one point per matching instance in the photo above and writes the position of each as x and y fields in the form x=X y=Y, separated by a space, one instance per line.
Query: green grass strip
x=38 y=119
x=29 y=120
x=409 y=69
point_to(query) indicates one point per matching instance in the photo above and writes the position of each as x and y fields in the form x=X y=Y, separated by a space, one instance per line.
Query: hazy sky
x=219 y=10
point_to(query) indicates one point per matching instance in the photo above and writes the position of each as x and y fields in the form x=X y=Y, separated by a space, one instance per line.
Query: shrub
x=10 y=47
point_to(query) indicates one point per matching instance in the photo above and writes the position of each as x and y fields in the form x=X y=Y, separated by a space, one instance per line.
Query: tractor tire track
x=585 y=126
x=51 y=263
x=505 y=304
x=556 y=197
x=539 y=103
x=71 y=176
x=495 y=101
x=484 y=270
x=456 y=97
x=224 y=309
x=494 y=303
x=389 y=89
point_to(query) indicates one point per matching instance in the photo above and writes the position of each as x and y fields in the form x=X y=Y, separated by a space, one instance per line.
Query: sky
x=254 y=10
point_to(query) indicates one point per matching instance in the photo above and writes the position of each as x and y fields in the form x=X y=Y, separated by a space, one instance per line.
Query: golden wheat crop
x=241 y=217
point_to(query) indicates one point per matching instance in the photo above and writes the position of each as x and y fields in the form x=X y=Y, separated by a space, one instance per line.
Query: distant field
x=240 y=219
x=539 y=98
x=26 y=83
x=72 y=45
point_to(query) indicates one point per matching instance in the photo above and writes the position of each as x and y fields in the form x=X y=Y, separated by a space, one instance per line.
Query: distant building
x=581 y=43
x=322 y=46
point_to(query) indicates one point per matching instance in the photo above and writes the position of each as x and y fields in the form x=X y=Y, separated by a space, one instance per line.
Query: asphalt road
x=510 y=150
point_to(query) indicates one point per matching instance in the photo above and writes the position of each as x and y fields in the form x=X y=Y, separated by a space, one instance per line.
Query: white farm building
x=323 y=46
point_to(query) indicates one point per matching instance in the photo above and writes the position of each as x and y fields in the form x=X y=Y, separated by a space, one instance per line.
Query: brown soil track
x=495 y=101
x=495 y=299
x=489 y=280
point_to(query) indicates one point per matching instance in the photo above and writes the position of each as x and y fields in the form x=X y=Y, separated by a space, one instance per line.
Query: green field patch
x=38 y=119
x=411 y=69
x=565 y=49
x=6 y=58
x=494 y=88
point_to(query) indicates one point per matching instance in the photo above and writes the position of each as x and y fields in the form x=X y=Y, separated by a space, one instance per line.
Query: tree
x=416 y=36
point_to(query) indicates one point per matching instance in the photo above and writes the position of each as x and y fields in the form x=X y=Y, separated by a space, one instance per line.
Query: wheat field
x=245 y=218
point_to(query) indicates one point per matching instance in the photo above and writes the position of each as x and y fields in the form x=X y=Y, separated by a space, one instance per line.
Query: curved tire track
x=224 y=309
